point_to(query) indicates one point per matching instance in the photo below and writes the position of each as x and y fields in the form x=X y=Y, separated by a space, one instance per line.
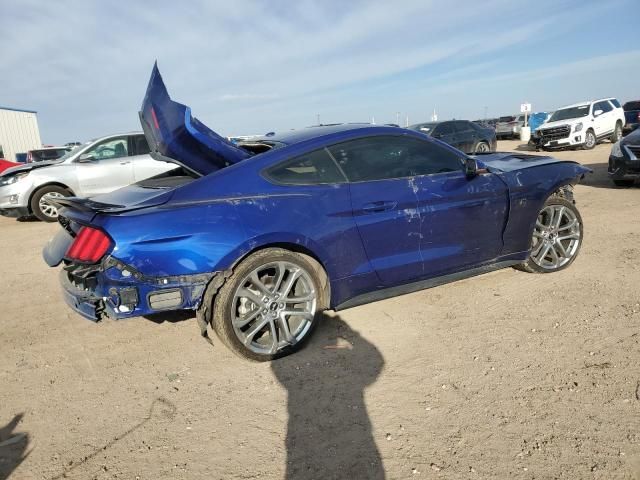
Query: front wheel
x=41 y=205
x=557 y=237
x=589 y=140
x=483 y=147
x=270 y=305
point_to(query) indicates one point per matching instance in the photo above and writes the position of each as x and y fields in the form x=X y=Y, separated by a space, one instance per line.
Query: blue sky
x=249 y=67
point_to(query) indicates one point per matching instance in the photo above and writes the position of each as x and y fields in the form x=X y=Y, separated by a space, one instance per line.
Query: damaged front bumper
x=115 y=290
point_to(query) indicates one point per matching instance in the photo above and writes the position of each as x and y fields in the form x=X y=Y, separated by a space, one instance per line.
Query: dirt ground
x=506 y=375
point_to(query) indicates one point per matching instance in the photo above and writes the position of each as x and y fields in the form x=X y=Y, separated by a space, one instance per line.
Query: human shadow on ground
x=329 y=433
x=13 y=447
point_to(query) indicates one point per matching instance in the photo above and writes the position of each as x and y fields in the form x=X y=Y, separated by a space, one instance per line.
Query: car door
x=104 y=167
x=143 y=165
x=605 y=121
x=385 y=204
x=446 y=132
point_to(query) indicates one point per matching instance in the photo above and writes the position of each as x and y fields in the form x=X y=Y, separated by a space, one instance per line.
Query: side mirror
x=597 y=113
x=470 y=167
x=86 y=158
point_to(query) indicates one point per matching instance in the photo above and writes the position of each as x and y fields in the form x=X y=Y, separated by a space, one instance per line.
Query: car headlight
x=616 y=150
x=10 y=179
x=578 y=127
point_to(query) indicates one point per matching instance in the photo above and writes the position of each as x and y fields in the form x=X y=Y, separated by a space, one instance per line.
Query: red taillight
x=89 y=246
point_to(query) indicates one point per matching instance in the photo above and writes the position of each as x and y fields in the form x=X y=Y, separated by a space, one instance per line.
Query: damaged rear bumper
x=115 y=290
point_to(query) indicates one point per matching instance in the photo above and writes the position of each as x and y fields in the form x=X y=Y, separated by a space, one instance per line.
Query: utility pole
x=407 y=121
x=318 y=118
x=397 y=118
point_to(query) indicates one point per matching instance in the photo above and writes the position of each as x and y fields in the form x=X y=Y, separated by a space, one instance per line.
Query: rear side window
x=313 y=168
x=380 y=158
x=615 y=102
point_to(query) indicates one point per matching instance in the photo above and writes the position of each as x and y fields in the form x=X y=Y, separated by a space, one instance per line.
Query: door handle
x=125 y=162
x=375 y=207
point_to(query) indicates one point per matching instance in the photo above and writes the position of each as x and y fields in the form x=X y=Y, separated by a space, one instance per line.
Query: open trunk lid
x=174 y=135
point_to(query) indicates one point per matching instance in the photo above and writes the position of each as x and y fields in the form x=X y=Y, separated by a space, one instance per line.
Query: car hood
x=559 y=123
x=28 y=167
x=175 y=135
x=509 y=162
x=632 y=139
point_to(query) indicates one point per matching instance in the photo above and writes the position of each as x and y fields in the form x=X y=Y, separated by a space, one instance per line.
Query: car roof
x=296 y=136
x=588 y=102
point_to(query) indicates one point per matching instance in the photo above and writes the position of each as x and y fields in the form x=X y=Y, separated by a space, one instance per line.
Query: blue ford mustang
x=261 y=236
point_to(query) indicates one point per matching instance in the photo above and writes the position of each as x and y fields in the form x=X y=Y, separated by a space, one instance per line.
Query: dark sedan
x=624 y=160
x=462 y=134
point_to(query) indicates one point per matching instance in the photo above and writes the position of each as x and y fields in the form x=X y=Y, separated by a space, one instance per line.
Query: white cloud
x=256 y=65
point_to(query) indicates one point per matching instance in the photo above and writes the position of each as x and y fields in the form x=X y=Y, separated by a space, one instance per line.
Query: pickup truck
x=631 y=116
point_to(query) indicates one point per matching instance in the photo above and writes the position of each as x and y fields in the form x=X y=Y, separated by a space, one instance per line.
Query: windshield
x=567 y=113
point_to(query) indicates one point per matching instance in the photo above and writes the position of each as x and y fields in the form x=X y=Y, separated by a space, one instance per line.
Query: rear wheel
x=623 y=183
x=270 y=305
x=589 y=140
x=556 y=238
x=617 y=133
x=41 y=205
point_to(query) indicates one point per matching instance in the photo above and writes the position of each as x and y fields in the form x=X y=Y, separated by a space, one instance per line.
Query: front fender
x=529 y=188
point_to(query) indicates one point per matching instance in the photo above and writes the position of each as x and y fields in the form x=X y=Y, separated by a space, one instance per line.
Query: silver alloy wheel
x=273 y=307
x=590 y=140
x=46 y=207
x=618 y=132
x=482 y=147
x=556 y=237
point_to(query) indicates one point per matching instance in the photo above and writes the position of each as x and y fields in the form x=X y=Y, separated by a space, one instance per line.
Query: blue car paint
x=430 y=225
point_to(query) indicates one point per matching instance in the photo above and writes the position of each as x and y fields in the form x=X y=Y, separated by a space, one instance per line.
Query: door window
x=311 y=169
x=140 y=145
x=445 y=128
x=113 y=148
x=604 y=106
x=463 y=127
x=379 y=158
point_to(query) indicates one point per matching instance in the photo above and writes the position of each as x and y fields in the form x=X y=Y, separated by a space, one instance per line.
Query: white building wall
x=18 y=132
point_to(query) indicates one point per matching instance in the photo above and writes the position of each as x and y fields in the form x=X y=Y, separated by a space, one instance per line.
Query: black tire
x=36 y=205
x=623 y=183
x=221 y=318
x=530 y=265
x=617 y=133
x=482 y=147
x=590 y=140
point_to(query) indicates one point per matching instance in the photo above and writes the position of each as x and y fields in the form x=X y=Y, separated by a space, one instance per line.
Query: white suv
x=582 y=125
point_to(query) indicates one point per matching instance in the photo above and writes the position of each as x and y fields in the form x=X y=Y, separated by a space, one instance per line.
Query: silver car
x=100 y=166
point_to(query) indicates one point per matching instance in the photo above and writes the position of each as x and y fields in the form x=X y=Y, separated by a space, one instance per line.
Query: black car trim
x=422 y=284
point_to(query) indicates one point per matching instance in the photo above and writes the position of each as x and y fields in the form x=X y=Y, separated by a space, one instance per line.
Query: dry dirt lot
x=506 y=375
